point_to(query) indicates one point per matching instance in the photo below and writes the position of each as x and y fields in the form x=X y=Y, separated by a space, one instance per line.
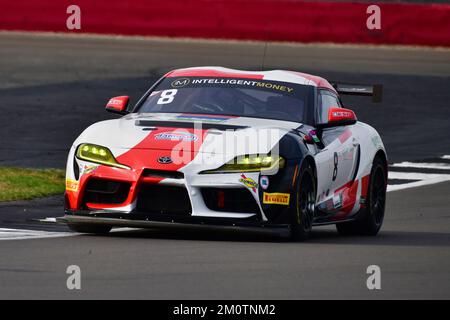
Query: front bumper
x=218 y=199
x=160 y=221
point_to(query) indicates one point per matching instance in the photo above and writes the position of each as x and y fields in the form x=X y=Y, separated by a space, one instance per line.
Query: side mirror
x=118 y=105
x=339 y=117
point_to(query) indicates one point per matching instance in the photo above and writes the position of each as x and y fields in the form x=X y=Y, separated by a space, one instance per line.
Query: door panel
x=338 y=162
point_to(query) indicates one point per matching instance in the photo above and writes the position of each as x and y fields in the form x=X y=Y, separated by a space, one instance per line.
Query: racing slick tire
x=370 y=219
x=303 y=213
x=90 y=228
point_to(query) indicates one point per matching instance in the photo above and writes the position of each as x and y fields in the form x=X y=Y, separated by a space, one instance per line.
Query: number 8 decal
x=167 y=96
x=335 y=170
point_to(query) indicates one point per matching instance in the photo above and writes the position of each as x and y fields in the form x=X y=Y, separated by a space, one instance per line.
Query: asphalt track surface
x=52 y=87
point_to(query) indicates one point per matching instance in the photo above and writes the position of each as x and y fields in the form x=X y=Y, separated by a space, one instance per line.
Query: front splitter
x=278 y=230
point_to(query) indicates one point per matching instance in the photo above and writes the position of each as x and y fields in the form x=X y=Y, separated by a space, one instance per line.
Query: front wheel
x=89 y=228
x=371 y=218
x=303 y=214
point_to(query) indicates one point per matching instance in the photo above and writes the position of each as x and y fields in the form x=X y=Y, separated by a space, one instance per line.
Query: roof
x=274 y=75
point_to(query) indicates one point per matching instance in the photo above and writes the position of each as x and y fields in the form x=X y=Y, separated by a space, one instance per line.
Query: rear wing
x=376 y=90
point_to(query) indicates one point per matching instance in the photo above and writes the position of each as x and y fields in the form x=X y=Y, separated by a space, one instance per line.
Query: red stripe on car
x=349 y=192
x=345 y=135
x=212 y=73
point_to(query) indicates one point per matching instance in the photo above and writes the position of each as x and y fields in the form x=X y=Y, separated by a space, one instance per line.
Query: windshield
x=230 y=96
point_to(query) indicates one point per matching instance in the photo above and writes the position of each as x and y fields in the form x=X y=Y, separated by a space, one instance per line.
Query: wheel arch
x=310 y=160
x=381 y=154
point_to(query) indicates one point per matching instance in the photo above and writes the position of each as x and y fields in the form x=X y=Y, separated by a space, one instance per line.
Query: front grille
x=102 y=191
x=163 y=174
x=163 y=199
x=229 y=200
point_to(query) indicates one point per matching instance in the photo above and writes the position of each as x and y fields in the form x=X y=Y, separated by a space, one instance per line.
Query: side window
x=327 y=100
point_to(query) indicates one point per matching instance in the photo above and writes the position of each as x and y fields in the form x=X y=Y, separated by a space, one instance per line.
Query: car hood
x=191 y=132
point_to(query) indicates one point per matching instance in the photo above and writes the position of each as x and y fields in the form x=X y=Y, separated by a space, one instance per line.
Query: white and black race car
x=212 y=147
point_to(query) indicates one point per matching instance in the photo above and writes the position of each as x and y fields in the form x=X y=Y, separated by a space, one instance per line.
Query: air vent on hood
x=182 y=124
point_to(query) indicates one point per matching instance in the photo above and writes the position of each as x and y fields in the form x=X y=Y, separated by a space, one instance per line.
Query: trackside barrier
x=274 y=20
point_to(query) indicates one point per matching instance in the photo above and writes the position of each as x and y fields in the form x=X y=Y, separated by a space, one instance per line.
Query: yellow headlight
x=98 y=154
x=251 y=163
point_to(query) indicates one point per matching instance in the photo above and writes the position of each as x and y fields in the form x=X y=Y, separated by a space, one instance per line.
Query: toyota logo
x=164 y=160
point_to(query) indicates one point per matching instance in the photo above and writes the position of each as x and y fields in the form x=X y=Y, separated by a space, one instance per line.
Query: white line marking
x=417 y=183
x=416 y=175
x=425 y=179
x=406 y=164
x=48 y=220
x=22 y=234
x=124 y=229
x=446 y=157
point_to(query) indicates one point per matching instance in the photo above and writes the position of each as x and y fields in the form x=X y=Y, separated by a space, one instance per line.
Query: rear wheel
x=303 y=214
x=371 y=218
x=90 y=228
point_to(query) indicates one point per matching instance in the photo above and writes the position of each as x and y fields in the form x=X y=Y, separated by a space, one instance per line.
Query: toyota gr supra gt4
x=210 y=147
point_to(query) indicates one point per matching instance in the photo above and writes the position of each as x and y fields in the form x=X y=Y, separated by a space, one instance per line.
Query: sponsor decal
x=86 y=169
x=376 y=141
x=330 y=205
x=276 y=198
x=264 y=182
x=313 y=135
x=248 y=182
x=165 y=160
x=176 y=136
x=242 y=82
x=115 y=102
x=181 y=82
x=337 y=201
x=341 y=114
x=72 y=185
x=347 y=153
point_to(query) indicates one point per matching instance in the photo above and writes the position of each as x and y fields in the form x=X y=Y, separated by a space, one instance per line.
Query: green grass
x=24 y=184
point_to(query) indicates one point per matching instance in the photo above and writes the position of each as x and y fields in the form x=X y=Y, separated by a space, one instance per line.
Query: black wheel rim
x=306 y=202
x=378 y=195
